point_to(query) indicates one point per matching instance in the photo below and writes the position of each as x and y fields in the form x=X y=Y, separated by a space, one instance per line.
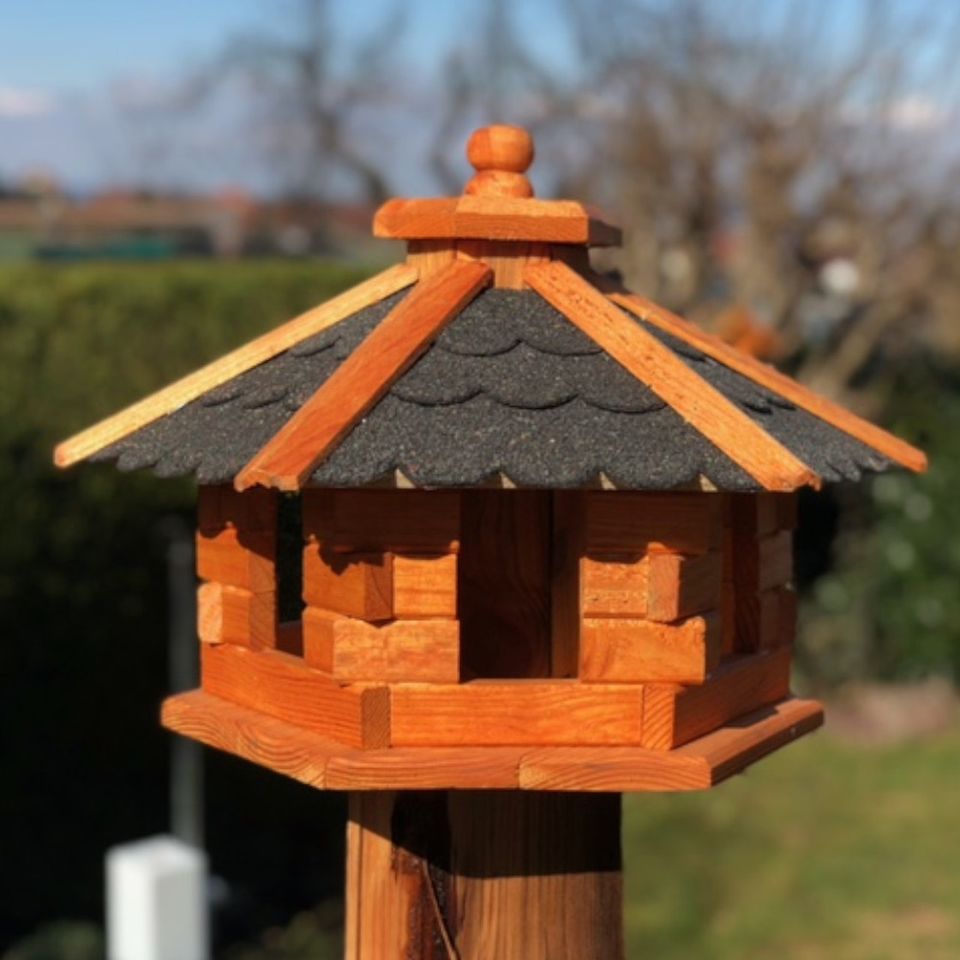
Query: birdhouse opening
x=504 y=584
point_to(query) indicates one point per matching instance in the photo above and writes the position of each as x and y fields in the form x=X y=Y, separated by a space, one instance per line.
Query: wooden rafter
x=768 y=376
x=263 y=348
x=364 y=377
x=700 y=404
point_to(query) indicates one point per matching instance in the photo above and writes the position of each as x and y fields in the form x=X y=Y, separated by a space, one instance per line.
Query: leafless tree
x=794 y=158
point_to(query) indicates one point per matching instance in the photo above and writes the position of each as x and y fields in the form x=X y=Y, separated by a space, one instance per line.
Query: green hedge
x=82 y=590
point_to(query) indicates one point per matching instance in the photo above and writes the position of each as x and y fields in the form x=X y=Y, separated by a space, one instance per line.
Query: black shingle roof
x=510 y=387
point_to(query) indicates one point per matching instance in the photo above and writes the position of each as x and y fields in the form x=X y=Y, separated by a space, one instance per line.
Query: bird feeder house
x=489 y=520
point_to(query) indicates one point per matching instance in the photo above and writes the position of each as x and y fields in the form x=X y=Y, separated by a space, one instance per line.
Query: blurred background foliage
x=786 y=173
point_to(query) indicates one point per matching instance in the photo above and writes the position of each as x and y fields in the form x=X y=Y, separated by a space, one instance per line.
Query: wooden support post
x=478 y=874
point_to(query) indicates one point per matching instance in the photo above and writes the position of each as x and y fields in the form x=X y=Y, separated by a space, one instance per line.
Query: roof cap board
x=556 y=377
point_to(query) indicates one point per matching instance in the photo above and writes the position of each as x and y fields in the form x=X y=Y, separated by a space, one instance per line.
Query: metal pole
x=186 y=756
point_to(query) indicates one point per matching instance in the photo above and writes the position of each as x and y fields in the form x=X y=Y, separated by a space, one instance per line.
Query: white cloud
x=916 y=113
x=23 y=102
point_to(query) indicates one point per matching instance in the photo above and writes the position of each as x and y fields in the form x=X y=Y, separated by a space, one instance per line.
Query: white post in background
x=157 y=901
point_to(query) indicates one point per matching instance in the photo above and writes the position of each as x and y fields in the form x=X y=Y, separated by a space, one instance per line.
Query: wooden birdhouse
x=488 y=520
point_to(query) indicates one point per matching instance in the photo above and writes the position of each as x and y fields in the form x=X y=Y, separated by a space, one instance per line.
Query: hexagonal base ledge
x=327 y=765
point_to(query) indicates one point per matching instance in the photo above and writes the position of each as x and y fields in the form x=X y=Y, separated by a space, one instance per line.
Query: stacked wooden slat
x=380 y=582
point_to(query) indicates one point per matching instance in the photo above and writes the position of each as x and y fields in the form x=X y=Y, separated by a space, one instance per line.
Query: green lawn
x=824 y=850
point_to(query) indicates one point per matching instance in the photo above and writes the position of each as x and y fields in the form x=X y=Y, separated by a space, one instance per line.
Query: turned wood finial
x=501 y=155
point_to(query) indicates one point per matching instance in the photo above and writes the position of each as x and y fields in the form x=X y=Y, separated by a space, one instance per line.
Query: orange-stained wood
x=675 y=714
x=320 y=762
x=219 y=507
x=362 y=379
x=237 y=559
x=355 y=584
x=495 y=218
x=622 y=521
x=238 y=361
x=430 y=256
x=679 y=586
x=632 y=651
x=565 y=595
x=413 y=521
x=284 y=687
x=492 y=712
x=697 y=765
x=508 y=260
x=698 y=402
x=425 y=586
x=768 y=376
x=404 y=650
x=614 y=586
x=228 y=614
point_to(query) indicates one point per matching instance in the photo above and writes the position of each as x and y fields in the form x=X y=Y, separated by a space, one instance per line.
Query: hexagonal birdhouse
x=490 y=520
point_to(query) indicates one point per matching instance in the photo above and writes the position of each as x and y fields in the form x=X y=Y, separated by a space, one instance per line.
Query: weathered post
x=487 y=541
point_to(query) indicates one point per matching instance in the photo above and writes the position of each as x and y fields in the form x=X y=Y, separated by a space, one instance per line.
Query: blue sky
x=64 y=64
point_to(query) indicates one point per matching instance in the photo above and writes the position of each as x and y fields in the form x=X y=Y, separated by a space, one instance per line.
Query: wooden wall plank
x=425 y=586
x=289 y=457
x=228 y=614
x=614 y=585
x=505 y=713
x=355 y=584
x=250 y=355
x=284 y=687
x=414 y=521
x=621 y=521
x=634 y=651
x=675 y=714
x=679 y=586
x=503 y=583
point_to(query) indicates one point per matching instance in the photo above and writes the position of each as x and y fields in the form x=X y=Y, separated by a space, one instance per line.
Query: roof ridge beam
x=707 y=410
x=766 y=375
x=388 y=351
x=265 y=347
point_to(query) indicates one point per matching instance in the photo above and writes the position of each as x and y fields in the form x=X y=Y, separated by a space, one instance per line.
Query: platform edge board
x=321 y=763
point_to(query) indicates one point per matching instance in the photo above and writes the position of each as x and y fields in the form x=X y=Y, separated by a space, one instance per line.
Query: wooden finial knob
x=501 y=155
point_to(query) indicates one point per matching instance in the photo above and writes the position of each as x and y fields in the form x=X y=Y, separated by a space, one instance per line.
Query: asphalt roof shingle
x=510 y=387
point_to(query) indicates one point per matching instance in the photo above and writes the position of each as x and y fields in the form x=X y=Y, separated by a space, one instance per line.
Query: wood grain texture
x=495 y=218
x=355 y=584
x=426 y=768
x=504 y=583
x=565 y=599
x=535 y=876
x=360 y=381
x=323 y=763
x=697 y=765
x=220 y=506
x=284 y=687
x=637 y=651
x=249 y=734
x=698 y=402
x=429 y=256
x=475 y=875
x=350 y=650
x=238 y=559
x=614 y=585
x=679 y=586
x=425 y=586
x=233 y=615
x=507 y=713
x=414 y=521
x=674 y=715
x=621 y=521
x=250 y=355
x=505 y=258
x=768 y=376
